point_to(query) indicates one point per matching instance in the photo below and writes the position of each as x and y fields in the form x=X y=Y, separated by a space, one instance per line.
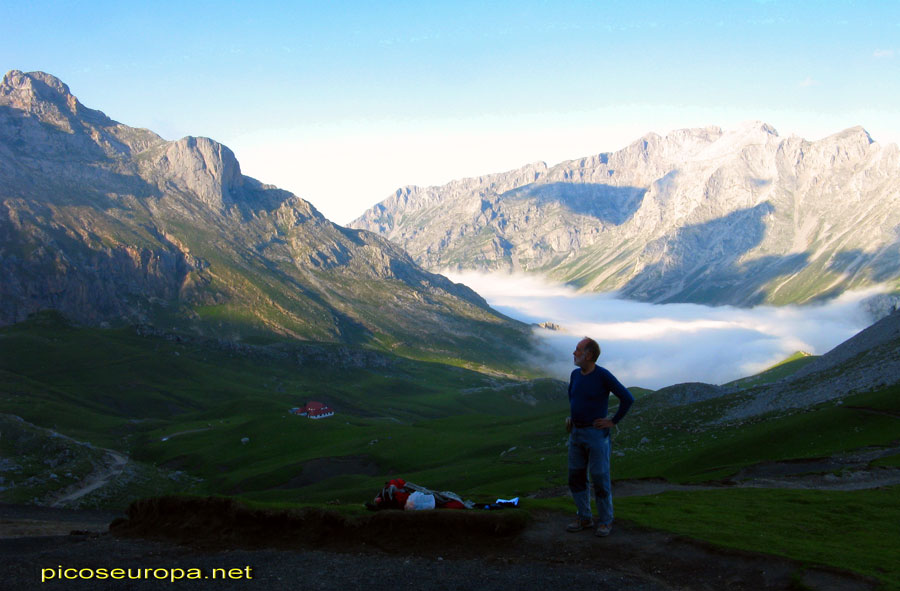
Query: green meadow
x=209 y=418
x=780 y=370
x=851 y=530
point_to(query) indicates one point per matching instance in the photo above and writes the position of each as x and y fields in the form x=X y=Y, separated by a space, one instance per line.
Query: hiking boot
x=603 y=530
x=580 y=523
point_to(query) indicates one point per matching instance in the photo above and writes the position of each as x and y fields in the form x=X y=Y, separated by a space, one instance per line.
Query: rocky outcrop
x=201 y=167
x=700 y=215
x=111 y=224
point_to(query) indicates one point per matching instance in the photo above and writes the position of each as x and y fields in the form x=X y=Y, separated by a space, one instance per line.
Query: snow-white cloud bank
x=656 y=345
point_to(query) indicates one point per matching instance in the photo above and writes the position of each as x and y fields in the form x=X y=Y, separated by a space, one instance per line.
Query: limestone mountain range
x=708 y=215
x=112 y=225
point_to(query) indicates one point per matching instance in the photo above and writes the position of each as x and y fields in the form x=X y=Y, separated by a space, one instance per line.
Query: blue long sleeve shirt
x=589 y=396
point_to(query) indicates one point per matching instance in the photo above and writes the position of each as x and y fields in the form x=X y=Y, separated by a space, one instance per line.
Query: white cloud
x=659 y=345
x=883 y=54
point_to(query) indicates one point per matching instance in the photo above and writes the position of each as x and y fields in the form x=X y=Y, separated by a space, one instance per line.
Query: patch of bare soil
x=320 y=469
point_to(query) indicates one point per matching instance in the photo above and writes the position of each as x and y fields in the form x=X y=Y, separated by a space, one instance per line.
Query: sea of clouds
x=657 y=345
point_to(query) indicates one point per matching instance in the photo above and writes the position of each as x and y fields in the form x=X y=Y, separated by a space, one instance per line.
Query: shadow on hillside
x=83 y=172
x=700 y=263
x=878 y=266
x=607 y=203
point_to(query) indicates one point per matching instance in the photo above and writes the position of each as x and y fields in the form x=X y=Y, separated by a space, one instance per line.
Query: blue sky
x=344 y=102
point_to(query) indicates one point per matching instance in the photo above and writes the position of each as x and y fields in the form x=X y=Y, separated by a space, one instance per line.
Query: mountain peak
x=756 y=126
x=46 y=97
x=33 y=82
x=109 y=223
x=856 y=133
x=705 y=215
x=24 y=90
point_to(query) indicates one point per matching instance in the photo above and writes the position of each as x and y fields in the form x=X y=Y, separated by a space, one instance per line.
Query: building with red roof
x=314 y=410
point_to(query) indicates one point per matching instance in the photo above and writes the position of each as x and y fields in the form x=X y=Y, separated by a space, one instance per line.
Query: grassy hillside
x=684 y=444
x=188 y=407
x=205 y=417
x=850 y=530
x=220 y=413
x=778 y=371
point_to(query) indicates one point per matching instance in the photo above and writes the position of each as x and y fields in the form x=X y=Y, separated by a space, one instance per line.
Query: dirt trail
x=848 y=471
x=173 y=435
x=113 y=466
x=847 y=480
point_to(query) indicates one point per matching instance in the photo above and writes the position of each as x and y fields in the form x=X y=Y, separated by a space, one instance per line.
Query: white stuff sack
x=419 y=501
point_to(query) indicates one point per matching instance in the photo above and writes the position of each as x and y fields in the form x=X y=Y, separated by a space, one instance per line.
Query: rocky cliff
x=110 y=224
x=701 y=215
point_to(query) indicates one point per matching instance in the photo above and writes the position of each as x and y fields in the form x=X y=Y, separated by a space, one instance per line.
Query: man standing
x=589 y=388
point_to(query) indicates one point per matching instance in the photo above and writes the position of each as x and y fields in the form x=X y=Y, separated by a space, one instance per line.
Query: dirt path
x=849 y=471
x=173 y=435
x=847 y=480
x=113 y=466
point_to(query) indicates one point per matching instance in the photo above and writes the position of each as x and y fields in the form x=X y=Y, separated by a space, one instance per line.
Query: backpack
x=393 y=496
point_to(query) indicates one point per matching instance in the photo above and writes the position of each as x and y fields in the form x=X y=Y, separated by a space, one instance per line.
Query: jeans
x=589 y=455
